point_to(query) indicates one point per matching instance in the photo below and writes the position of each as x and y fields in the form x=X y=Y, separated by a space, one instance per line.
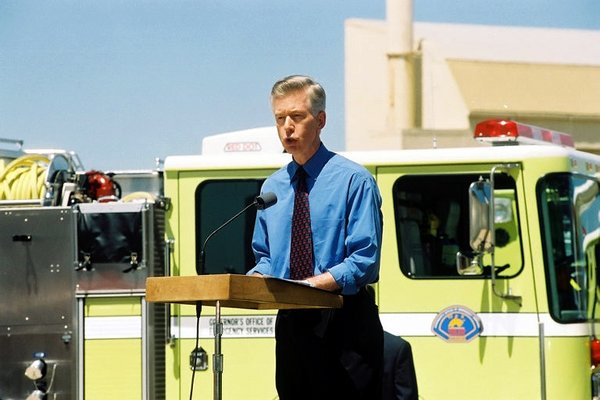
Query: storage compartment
x=37 y=303
x=118 y=246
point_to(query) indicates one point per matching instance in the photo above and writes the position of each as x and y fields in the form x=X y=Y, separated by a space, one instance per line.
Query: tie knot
x=301 y=179
x=301 y=173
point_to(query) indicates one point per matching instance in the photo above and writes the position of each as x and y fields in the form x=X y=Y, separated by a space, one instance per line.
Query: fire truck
x=76 y=247
x=488 y=269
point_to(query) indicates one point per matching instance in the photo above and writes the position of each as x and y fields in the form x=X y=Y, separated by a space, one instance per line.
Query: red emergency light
x=595 y=351
x=500 y=131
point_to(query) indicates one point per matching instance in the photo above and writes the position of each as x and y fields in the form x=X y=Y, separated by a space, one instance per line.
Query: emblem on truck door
x=456 y=324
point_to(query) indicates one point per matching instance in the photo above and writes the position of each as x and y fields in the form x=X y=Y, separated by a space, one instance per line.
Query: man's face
x=298 y=129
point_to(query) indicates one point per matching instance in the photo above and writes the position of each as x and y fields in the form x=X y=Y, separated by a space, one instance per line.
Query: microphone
x=265 y=200
x=261 y=202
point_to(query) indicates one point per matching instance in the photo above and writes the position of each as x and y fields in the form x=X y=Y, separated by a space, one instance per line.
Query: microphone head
x=265 y=200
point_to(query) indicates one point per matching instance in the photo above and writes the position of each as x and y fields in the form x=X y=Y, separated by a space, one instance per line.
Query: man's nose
x=288 y=125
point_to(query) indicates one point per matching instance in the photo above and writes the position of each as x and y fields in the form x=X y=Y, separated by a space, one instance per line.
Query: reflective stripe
x=402 y=324
x=494 y=324
x=412 y=324
x=126 y=327
x=553 y=328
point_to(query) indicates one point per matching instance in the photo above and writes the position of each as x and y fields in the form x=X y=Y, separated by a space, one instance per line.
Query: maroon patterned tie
x=301 y=253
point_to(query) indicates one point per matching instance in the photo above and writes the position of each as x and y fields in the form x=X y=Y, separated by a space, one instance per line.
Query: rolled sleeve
x=363 y=240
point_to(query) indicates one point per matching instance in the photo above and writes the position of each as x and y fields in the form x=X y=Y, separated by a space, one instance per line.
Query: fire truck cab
x=488 y=265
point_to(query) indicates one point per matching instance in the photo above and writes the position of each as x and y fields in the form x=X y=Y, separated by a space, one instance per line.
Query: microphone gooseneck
x=261 y=202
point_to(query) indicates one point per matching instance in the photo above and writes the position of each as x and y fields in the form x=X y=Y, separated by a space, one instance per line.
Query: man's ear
x=321 y=119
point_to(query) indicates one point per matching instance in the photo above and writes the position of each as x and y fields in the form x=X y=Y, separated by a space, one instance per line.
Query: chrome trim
x=542 y=361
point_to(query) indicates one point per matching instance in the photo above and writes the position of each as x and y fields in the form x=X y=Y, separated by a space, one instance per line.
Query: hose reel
x=35 y=177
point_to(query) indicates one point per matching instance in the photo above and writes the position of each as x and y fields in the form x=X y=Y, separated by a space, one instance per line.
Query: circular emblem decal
x=456 y=324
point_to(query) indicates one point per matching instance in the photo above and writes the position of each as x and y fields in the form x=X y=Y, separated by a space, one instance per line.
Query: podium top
x=238 y=291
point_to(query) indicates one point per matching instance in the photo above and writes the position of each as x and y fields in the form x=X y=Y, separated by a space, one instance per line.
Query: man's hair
x=292 y=83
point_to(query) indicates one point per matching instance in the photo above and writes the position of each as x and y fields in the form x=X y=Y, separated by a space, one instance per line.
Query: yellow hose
x=139 y=196
x=23 y=178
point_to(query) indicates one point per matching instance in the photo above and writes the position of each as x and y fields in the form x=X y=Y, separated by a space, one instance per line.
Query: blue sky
x=123 y=82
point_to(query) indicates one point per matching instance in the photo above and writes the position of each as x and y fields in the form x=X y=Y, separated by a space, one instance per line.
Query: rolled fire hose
x=24 y=178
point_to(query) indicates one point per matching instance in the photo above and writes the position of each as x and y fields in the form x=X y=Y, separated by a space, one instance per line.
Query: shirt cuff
x=348 y=286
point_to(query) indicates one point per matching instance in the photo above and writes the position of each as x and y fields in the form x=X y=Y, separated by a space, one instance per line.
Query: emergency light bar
x=499 y=131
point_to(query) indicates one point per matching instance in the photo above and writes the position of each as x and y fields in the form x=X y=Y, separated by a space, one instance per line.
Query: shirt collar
x=314 y=165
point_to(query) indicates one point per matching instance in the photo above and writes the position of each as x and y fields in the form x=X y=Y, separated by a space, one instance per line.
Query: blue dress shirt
x=346 y=221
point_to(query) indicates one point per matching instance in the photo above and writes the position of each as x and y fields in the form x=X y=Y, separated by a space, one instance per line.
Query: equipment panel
x=38 y=324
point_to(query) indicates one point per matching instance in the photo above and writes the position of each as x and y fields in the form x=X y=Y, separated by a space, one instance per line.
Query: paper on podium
x=239 y=291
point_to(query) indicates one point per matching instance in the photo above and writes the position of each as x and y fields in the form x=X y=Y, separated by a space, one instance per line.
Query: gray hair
x=292 y=83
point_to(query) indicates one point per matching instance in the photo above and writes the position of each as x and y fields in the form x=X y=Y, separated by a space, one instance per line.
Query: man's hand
x=324 y=281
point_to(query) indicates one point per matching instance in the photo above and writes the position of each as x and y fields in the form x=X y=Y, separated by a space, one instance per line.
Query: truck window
x=229 y=251
x=569 y=214
x=432 y=225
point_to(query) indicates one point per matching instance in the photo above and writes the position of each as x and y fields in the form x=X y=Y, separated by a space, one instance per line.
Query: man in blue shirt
x=322 y=354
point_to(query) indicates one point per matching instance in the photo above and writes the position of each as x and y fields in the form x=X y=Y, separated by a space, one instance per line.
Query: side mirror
x=480 y=231
x=480 y=227
x=482 y=219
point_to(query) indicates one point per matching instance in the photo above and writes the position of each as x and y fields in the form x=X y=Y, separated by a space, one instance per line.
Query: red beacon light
x=595 y=351
x=500 y=131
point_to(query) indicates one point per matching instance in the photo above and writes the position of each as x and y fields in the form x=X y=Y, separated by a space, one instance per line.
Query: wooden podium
x=237 y=291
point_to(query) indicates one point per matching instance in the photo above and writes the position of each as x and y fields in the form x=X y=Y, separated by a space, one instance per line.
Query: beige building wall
x=367 y=87
x=561 y=97
x=463 y=74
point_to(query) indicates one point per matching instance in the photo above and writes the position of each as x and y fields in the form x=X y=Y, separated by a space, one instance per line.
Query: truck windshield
x=570 y=227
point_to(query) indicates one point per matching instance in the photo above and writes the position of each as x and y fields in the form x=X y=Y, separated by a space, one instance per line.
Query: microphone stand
x=200 y=266
x=261 y=202
x=218 y=328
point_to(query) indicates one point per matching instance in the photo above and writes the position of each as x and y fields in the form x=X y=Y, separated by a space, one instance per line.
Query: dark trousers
x=332 y=353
